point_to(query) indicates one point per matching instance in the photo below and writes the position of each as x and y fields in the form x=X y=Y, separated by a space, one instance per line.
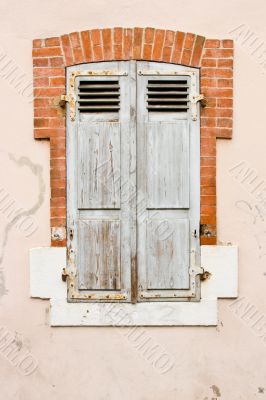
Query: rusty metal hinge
x=65 y=274
x=194 y=98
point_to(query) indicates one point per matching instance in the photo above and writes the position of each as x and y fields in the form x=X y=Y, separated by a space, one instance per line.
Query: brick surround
x=214 y=58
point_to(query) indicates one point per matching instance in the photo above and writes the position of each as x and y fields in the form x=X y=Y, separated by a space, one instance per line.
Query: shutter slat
x=98 y=96
x=168 y=95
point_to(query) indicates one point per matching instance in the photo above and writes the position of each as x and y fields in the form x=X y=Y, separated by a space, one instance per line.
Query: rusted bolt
x=205 y=275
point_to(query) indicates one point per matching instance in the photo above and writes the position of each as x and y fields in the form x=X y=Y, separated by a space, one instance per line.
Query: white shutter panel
x=101 y=180
x=168 y=142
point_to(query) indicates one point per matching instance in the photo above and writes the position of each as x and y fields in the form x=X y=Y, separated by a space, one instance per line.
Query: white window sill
x=46 y=264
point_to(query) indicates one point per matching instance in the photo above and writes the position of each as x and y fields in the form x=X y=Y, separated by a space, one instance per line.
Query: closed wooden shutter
x=133 y=182
x=101 y=179
x=168 y=182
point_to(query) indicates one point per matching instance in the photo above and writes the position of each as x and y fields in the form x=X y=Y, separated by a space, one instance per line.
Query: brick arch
x=52 y=55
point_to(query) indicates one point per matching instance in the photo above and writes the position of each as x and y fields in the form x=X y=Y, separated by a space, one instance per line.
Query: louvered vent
x=98 y=96
x=168 y=95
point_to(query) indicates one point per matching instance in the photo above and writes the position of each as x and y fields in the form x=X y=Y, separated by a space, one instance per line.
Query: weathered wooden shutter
x=101 y=181
x=167 y=181
x=133 y=186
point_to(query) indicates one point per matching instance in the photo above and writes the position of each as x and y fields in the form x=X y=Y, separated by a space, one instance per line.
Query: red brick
x=58 y=212
x=212 y=43
x=65 y=42
x=208 y=219
x=208 y=82
x=118 y=38
x=186 y=55
x=207 y=161
x=58 y=183
x=178 y=45
x=76 y=47
x=209 y=62
x=208 y=200
x=40 y=62
x=225 y=103
x=207 y=210
x=208 y=191
x=168 y=44
x=48 y=92
x=58 y=202
x=225 y=62
x=229 y=44
x=58 y=173
x=58 y=162
x=41 y=122
x=86 y=44
x=118 y=35
x=218 y=53
x=189 y=41
x=46 y=112
x=56 y=122
x=169 y=38
x=197 y=51
x=158 y=44
x=53 y=41
x=58 y=153
x=107 y=44
x=224 y=133
x=208 y=122
x=49 y=132
x=218 y=92
x=217 y=112
x=57 y=82
x=207 y=240
x=96 y=45
x=211 y=101
x=43 y=102
x=41 y=82
x=207 y=181
x=42 y=72
x=118 y=52
x=56 y=61
x=137 y=46
x=225 y=83
x=167 y=51
x=37 y=43
x=217 y=72
x=147 y=50
x=149 y=35
x=127 y=44
x=57 y=143
x=58 y=192
x=47 y=52
x=208 y=132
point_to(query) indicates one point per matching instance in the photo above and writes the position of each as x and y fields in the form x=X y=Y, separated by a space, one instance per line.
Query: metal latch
x=69 y=98
x=196 y=269
x=194 y=98
x=63 y=99
x=65 y=274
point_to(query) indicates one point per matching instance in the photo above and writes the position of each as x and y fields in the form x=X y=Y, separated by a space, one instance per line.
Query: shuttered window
x=133 y=182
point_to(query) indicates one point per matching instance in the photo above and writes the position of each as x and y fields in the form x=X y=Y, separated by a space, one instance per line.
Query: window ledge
x=46 y=264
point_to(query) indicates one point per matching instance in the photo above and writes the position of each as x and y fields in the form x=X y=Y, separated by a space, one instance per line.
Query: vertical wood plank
x=98 y=165
x=99 y=255
x=168 y=256
x=168 y=164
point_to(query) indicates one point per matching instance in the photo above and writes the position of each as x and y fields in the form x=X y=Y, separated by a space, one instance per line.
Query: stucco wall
x=103 y=363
